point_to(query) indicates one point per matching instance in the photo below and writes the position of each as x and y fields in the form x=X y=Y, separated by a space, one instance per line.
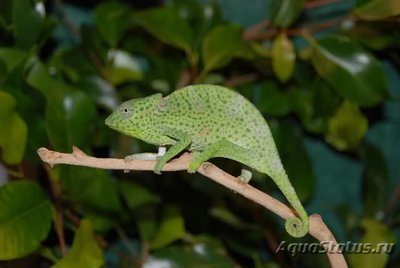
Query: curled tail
x=296 y=227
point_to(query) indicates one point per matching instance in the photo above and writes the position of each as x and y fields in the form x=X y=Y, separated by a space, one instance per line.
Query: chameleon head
x=135 y=117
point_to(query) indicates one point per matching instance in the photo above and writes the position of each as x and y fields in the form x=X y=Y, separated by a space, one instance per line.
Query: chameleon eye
x=126 y=112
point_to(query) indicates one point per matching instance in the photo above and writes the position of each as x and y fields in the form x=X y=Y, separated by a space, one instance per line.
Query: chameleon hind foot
x=222 y=148
x=245 y=176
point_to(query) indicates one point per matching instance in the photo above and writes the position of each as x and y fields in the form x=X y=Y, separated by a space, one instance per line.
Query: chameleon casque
x=210 y=121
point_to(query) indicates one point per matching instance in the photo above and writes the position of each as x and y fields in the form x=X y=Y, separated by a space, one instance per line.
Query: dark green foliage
x=325 y=74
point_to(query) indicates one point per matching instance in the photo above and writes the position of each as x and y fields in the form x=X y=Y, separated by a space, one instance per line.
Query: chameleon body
x=210 y=121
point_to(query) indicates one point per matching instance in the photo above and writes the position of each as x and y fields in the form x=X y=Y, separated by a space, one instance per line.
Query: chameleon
x=209 y=121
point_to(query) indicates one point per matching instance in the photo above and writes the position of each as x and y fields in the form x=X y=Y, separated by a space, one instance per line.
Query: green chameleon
x=210 y=121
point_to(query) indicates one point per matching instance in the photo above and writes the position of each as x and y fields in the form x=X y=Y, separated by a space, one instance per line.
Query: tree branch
x=310 y=28
x=318 y=229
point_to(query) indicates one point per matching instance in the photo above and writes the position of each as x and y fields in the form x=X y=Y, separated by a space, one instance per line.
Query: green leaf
x=124 y=67
x=136 y=195
x=378 y=9
x=376 y=234
x=229 y=218
x=13 y=139
x=314 y=103
x=12 y=57
x=27 y=24
x=325 y=99
x=301 y=100
x=85 y=251
x=6 y=14
x=15 y=61
x=69 y=117
x=93 y=188
x=101 y=91
x=168 y=26
x=271 y=101
x=39 y=78
x=25 y=218
x=288 y=12
x=73 y=61
x=13 y=130
x=146 y=221
x=283 y=57
x=372 y=35
x=101 y=222
x=119 y=75
x=374 y=181
x=289 y=139
x=112 y=20
x=3 y=71
x=172 y=228
x=347 y=127
x=206 y=252
x=221 y=45
x=353 y=73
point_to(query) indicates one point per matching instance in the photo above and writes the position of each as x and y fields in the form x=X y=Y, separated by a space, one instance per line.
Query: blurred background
x=324 y=73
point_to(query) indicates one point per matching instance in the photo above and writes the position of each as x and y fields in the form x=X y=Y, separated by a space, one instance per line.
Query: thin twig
x=316 y=26
x=241 y=79
x=256 y=32
x=184 y=79
x=269 y=236
x=318 y=229
x=265 y=35
x=125 y=240
x=310 y=28
x=393 y=201
x=93 y=57
x=17 y=174
x=255 y=29
x=59 y=218
x=66 y=21
x=317 y=4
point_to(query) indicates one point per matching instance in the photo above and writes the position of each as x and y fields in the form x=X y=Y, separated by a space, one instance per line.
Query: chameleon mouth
x=110 y=121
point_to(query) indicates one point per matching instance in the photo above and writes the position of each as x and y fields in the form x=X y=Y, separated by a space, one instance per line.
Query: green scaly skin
x=210 y=121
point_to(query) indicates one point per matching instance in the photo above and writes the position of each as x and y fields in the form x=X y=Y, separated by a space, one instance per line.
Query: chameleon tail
x=296 y=227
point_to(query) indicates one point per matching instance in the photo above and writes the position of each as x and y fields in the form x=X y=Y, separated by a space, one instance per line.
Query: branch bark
x=318 y=228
